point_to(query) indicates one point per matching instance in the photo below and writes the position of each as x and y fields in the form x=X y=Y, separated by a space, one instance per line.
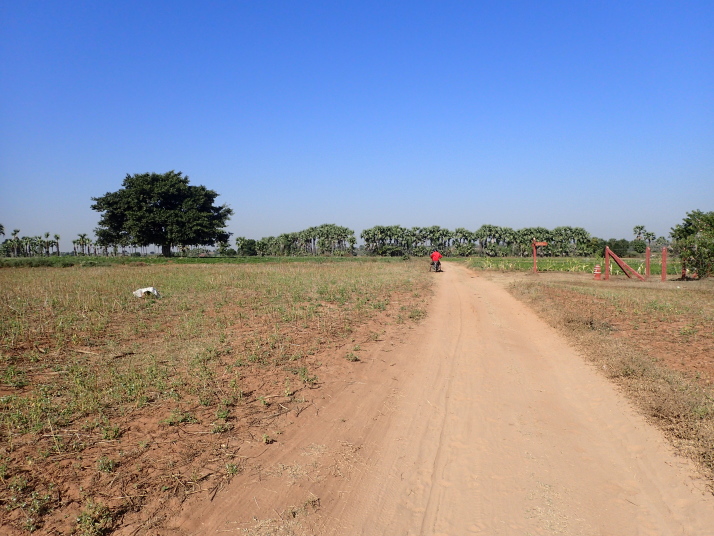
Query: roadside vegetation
x=655 y=340
x=115 y=408
x=574 y=265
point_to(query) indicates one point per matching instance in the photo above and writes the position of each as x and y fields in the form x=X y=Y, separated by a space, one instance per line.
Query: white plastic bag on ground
x=140 y=293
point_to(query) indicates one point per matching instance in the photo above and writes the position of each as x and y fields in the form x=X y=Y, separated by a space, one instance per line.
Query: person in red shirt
x=435 y=262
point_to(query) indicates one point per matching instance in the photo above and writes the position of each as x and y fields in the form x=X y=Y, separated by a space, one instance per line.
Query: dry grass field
x=115 y=408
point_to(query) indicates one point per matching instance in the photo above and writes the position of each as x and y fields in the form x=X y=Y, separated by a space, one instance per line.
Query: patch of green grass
x=232 y=469
x=94 y=520
x=15 y=377
x=179 y=417
x=417 y=314
x=106 y=465
x=567 y=264
x=111 y=432
x=306 y=377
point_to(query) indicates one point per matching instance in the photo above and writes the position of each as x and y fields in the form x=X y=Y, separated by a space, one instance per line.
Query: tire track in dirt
x=434 y=497
x=482 y=421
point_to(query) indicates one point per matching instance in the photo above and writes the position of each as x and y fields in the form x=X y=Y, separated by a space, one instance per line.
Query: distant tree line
x=49 y=245
x=166 y=211
x=326 y=239
x=381 y=240
x=395 y=240
x=493 y=241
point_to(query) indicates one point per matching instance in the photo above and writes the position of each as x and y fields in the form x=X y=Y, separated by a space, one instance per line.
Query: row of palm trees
x=395 y=240
x=42 y=246
x=641 y=233
x=326 y=239
x=489 y=240
x=331 y=239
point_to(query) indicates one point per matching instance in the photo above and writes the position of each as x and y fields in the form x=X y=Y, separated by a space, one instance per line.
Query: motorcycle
x=435 y=266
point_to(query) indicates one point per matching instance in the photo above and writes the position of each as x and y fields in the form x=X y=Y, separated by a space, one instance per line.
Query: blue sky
x=598 y=114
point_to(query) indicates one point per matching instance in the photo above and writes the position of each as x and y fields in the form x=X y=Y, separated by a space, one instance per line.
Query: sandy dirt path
x=481 y=421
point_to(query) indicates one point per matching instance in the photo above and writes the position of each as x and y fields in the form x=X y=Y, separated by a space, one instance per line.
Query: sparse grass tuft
x=95 y=520
x=106 y=465
x=179 y=417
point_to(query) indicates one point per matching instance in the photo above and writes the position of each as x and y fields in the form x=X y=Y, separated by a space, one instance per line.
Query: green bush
x=694 y=242
x=697 y=255
x=639 y=246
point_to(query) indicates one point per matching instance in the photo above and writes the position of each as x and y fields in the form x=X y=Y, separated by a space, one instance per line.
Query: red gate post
x=535 y=262
x=664 y=264
x=626 y=268
x=648 y=254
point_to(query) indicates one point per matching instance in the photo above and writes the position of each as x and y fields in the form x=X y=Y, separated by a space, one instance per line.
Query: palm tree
x=2 y=230
x=507 y=237
x=370 y=239
x=561 y=241
x=581 y=238
x=539 y=234
x=638 y=231
x=82 y=241
x=57 y=239
x=47 y=243
x=26 y=243
x=487 y=235
x=15 y=241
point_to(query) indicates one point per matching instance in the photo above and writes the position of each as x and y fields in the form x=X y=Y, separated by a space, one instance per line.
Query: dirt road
x=481 y=421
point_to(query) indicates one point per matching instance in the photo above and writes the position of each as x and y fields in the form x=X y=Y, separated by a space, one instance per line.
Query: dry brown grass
x=655 y=340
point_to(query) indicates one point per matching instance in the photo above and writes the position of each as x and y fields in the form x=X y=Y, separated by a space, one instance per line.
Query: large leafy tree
x=694 y=242
x=161 y=209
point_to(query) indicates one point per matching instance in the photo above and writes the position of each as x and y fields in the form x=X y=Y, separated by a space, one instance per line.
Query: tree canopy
x=325 y=239
x=489 y=240
x=695 y=224
x=694 y=242
x=162 y=209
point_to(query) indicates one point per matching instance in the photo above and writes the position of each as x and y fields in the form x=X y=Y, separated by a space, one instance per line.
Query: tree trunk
x=166 y=250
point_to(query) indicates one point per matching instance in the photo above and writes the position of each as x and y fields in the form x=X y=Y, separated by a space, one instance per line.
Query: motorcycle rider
x=435 y=256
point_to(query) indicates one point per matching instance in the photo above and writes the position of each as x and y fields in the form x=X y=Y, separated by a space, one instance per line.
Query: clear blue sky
x=597 y=114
